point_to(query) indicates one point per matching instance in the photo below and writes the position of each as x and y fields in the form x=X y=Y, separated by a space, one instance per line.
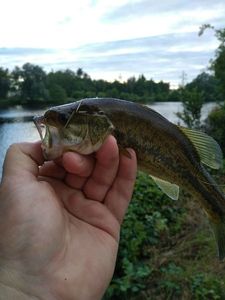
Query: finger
x=78 y=164
x=107 y=161
x=51 y=169
x=119 y=196
x=75 y=181
x=79 y=167
x=23 y=159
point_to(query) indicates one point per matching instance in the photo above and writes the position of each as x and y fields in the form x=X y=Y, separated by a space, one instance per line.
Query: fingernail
x=131 y=151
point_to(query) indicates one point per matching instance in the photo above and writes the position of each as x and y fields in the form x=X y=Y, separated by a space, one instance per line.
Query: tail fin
x=219 y=232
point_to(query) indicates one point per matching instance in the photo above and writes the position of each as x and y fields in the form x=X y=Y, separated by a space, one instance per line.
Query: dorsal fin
x=208 y=149
x=170 y=189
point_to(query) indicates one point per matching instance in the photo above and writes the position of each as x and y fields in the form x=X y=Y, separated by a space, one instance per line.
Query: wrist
x=11 y=293
x=15 y=285
x=18 y=286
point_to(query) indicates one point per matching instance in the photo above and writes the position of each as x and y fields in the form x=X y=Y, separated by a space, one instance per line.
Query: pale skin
x=60 y=223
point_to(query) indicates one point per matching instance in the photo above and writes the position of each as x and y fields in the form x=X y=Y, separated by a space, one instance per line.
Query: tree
x=30 y=84
x=65 y=79
x=140 y=85
x=130 y=85
x=31 y=81
x=208 y=85
x=4 y=83
x=192 y=102
x=218 y=63
x=57 y=94
x=81 y=74
x=216 y=119
x=214 y=125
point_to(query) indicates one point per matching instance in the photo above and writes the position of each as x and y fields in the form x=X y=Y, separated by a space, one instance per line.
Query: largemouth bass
x=172 y=155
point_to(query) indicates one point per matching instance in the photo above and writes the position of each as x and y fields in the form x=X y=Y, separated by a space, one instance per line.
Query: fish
x=174 y=156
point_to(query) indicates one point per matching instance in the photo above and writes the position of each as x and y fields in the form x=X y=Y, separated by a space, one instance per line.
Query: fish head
x=80 y=130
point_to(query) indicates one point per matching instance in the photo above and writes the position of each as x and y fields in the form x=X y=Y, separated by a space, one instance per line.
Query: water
x=16 y=125
x=169 y=110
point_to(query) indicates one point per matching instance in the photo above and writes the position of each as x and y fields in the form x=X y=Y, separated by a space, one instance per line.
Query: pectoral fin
x=208 y=149
x=170 y=189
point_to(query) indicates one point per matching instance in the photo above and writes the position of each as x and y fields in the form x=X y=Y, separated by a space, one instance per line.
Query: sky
x=112 y=39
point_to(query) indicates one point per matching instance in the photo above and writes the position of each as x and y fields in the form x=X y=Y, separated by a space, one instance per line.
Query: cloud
x=111 y=38
x=24 y=51
x=137 y=9
x=151 y=18
x=162 y=57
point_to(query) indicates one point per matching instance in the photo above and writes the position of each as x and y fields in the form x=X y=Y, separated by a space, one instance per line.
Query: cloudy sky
x=111 y=39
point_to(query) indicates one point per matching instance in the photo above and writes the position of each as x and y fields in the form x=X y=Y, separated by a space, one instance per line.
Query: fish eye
x=50 y=116
x=55 y=118
x=101 y=112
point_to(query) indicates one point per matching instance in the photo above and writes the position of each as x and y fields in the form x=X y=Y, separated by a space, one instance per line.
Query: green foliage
x=30 y=84
x=218 y=63
x=158 y=259
x=131 y=283
x=206 y=287
x=57 y=93
x=151 y=220
x=170 y=283
x=4 y=83
x=175 y=282
x=208 y=86
x=174 y=95
x=64 y=79
x=214 y=125
x=192 y=104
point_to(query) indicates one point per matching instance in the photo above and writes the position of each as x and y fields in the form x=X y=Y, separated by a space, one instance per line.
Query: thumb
x=23 y=160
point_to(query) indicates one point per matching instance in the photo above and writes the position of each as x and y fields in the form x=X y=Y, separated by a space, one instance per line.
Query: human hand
x=60 y=223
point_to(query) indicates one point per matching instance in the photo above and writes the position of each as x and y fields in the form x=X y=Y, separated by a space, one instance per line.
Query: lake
x=15 y=124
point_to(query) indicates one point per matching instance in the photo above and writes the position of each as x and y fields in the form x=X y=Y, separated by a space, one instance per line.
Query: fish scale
x=172 y=155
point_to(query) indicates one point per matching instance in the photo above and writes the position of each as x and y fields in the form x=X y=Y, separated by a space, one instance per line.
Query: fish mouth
x=50 y=141
x=39 y=122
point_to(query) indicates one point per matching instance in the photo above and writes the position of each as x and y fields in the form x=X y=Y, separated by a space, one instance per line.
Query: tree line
x=30 y=85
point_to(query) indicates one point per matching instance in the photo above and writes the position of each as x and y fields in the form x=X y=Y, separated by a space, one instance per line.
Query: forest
x=30 y=85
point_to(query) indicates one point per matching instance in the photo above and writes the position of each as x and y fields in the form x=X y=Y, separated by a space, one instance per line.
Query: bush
x=151 y=220
x=205 y=287
x=170 y=284
x=215 y=125
x=192 y=104
x=158 y=256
